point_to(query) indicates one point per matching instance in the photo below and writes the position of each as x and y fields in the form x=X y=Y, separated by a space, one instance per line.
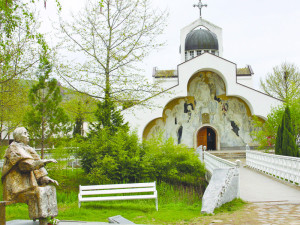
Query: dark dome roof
x=201 y=39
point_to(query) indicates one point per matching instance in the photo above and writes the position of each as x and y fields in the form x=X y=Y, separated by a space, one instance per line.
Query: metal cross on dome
x=200 y=6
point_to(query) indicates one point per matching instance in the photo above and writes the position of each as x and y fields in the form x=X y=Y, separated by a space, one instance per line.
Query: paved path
x=274 y=202
x=256 y=187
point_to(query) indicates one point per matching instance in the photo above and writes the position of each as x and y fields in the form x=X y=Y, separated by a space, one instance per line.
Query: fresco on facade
x=208 y=104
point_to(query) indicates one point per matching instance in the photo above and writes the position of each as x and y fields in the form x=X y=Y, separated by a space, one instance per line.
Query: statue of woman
x=25 y=179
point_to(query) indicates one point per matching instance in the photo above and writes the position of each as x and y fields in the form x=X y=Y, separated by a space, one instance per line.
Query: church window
x=205 y=50
x=186 y=56
x=198 y=52
x=213 y=52
x=191 y=54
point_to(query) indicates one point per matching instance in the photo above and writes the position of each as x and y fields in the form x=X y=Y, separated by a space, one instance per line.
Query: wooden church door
x=202 y=137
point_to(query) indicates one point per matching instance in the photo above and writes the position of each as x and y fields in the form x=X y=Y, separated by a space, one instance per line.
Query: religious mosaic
x=206 y=104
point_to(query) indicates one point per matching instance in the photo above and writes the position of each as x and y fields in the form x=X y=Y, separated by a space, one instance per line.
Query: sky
x=260 y=33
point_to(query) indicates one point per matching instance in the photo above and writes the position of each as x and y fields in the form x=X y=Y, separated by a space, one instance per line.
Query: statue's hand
x=46 y=161
x=47 y=180
x=53 y=181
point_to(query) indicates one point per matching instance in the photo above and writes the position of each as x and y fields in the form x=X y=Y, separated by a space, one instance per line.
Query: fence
x=213 y=162
x=281 y=167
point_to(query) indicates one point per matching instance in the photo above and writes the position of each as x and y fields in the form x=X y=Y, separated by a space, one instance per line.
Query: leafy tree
x=79 y=105
x=78 y=127
x=283 y=83
x=20 y=47
x=13 y=101
x=285 y=140
x=113 y=38
x=267 y=132
x=80 y=108
x=46 y=117
x=20 y=42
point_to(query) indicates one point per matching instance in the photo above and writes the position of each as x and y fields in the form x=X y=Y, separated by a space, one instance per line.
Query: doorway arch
x=207 y=136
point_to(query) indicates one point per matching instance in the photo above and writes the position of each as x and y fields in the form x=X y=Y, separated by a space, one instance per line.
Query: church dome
x=201 y=39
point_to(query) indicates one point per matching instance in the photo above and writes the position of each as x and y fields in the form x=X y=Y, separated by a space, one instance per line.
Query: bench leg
x=79 y=204
x=156 y=203
x=2 y=213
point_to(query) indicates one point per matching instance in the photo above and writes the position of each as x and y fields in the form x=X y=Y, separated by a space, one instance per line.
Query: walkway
x=273 y=202
x=256 y=187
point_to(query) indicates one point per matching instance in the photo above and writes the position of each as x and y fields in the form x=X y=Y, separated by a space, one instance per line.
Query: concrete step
x=229 y=154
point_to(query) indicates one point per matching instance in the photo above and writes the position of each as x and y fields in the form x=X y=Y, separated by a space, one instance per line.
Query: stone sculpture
x=25 y=179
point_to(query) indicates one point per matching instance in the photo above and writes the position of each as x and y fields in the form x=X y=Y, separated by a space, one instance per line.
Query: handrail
x=213 y=162
x=280 y=167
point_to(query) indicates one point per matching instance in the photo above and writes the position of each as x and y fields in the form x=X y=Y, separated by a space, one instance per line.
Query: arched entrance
x=206 y=136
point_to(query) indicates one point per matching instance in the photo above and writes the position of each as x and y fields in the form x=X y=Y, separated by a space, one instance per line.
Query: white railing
x=213 y=162
x=281 y=167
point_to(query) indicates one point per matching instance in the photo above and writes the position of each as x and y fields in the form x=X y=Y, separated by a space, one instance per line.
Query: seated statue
x=25 y=179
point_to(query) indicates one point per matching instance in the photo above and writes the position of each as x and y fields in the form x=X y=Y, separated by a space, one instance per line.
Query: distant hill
x=73 y=102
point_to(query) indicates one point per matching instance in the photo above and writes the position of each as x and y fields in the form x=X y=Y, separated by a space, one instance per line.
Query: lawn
x=177 y=204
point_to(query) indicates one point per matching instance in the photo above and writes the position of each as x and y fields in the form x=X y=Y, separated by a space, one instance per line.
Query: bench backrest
x=117 y=188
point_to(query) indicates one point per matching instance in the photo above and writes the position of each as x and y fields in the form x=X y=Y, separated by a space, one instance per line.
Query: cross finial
x=200 y=6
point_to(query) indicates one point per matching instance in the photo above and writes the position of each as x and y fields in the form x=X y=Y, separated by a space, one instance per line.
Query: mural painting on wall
x=208 y=104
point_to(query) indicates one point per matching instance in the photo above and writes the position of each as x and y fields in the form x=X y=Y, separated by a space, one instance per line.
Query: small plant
x=52 y=221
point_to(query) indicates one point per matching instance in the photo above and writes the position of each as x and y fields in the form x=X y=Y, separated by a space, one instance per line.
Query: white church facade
x=207 y=101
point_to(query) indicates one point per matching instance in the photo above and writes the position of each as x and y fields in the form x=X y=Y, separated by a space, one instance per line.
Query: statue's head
x=21 y=135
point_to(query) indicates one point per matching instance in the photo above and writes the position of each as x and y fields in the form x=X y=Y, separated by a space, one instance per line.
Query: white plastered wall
x=259 y=103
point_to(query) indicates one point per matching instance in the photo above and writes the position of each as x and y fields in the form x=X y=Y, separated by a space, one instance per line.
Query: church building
x=207 y=100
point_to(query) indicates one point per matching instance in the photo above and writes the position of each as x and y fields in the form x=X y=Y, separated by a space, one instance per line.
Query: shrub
x=113 y=158
x=173 y=163
x=120 y=158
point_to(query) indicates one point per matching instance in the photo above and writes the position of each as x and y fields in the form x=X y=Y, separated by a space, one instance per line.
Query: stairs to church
x=230 y=154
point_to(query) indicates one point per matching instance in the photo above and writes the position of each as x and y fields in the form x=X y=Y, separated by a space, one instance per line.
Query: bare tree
x=283 y=82
x=110 y=39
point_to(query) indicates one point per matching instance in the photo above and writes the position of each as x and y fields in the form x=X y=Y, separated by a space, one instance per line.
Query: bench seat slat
x=96 y=190
x=91 y=199
x=112 y=186
x=117 y=191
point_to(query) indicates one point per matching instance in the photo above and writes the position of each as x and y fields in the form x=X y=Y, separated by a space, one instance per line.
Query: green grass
x=175 y=203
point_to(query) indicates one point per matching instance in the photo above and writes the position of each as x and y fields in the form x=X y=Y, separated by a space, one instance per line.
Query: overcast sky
x=261 y=33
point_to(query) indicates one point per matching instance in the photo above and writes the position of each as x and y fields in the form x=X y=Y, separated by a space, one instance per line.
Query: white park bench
x=93 y=193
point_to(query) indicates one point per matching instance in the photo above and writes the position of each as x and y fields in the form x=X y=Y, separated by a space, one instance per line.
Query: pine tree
x=278 y=143
x=109 y=117
x=46 y=118
x=285 y=140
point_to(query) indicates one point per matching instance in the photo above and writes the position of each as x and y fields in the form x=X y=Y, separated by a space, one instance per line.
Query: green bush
x=121 y=158
x=173 y=163
x=112 y=158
